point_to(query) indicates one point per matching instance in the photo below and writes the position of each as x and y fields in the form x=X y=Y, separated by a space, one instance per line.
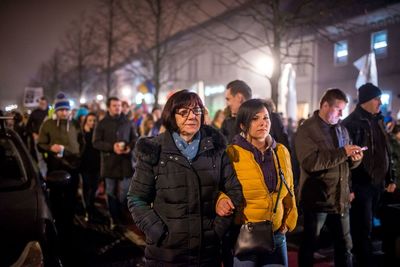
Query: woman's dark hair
x=247 y=111
x=86 y=118
x=181 y=99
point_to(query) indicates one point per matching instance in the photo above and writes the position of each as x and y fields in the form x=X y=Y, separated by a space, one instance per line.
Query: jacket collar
x=363 y=114
x=210 y=139
x=243 y=143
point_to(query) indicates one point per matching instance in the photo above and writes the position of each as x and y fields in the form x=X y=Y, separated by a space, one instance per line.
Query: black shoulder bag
x=258 y=237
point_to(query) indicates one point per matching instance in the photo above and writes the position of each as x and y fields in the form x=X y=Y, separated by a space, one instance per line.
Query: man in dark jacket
x=115 y=136
x=365 y=126
x=32 y=128
x=326 y=156
x=236 y=93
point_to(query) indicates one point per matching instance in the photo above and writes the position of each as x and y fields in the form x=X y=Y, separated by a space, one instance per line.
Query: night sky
x=30 y=30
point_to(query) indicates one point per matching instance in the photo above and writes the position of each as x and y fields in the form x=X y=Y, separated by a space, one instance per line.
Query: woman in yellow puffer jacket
x=254 y=154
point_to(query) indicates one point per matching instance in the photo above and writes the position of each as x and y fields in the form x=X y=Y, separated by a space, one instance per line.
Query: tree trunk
x=157 y=65
x=109 y=48
x=276 y=54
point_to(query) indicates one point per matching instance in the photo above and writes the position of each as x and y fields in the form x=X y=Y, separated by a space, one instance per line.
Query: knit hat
x=61 y=102
x=367 y=92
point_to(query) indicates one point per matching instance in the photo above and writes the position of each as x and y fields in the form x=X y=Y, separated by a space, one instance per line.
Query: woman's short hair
x=181 y=99
x=247 y=111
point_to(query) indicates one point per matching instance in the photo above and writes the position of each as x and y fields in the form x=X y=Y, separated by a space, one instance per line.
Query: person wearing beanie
x=61 y=141
x=374 y=174
x=367 y=92
x=80 y=115
x=61 y=102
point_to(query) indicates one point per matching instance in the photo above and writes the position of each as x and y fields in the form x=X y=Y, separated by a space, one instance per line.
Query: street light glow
x=265 y=65
x=99 y=97
x=126 y=91
x=11 y=107
x=82 y=100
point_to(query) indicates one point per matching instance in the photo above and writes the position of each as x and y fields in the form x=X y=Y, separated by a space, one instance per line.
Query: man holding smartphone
x=374 y=175
x=325 y=155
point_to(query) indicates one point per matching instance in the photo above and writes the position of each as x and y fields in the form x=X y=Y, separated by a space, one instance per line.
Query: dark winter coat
x=376 y=167
x=35 y=120
x=278 y=131
x=90 y=155
x=325 y=168
x=109 y=131
x=229 y=128
x=173 y=200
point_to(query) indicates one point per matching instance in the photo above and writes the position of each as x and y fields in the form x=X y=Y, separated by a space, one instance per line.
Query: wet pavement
x=97 y=244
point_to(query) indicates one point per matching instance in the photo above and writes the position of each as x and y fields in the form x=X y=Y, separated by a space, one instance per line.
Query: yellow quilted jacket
x=259 y=202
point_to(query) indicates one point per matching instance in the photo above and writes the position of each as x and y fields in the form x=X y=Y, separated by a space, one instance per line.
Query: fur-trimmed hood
x=148 y=149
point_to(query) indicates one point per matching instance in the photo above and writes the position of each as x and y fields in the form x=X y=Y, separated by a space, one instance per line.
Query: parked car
x=27 y=230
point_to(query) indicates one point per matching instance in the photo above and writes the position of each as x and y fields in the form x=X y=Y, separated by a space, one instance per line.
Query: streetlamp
x=99 y=97
x=264 y=65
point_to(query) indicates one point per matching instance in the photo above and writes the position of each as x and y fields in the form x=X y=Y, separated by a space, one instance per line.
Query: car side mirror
x=58 y=178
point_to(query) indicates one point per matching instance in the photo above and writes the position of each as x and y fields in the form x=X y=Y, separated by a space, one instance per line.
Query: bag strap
x=283 y=180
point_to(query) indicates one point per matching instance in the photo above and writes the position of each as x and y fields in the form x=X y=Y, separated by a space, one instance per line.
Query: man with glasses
x=374 y=175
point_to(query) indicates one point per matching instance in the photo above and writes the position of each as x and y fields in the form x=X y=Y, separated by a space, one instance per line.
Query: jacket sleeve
x=44 y=138
x=313 y=157
x=290 y=214
x=133 y=136
x=99 y=141
x=231 y=187
x=141 y=194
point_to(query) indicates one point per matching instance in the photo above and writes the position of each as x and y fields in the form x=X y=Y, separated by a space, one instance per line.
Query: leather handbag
x=255 y=237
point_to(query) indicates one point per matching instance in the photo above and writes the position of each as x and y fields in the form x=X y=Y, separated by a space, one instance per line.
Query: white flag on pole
x=287 y=98
x=368 y=71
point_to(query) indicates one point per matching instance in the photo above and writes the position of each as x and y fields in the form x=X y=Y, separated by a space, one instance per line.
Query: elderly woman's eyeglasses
x=186 y=111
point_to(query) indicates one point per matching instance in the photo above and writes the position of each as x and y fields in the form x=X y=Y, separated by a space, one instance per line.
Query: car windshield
x=12 y=172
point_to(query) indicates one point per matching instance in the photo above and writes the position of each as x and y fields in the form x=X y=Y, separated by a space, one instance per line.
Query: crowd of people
x=194 y=185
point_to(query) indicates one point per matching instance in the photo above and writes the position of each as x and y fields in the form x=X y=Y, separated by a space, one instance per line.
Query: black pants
x=90 y=180
x=363 y=209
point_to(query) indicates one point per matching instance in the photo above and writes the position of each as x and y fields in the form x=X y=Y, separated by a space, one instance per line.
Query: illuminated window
x=341 y=53
x=379 y=43
x=386 y=99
